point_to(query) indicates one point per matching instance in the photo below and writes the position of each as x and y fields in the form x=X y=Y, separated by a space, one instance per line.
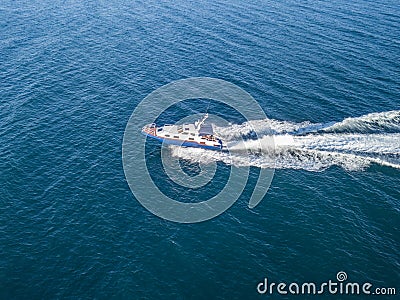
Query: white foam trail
x=266 y=127
x=308 y=146
x=379 y=144
x=371 y=123
x=388 y=121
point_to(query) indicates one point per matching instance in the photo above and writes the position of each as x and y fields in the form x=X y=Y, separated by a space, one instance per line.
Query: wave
x=353 y=144
x=385 y=122
x=375 y=122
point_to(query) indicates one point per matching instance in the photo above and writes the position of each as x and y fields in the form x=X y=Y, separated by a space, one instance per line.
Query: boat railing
x=149 y=126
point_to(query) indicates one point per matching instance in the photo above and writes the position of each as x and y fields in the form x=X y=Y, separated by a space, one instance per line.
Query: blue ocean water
x=326 y=74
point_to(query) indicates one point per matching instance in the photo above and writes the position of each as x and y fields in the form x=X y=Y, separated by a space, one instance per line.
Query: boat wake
x=354 y=144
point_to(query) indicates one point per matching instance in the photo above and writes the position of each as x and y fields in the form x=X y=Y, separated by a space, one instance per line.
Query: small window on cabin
x=167 y=135
x=192 y=139
x=176 y=136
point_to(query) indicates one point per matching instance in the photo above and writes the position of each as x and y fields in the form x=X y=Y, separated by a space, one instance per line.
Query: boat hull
x=182 y=143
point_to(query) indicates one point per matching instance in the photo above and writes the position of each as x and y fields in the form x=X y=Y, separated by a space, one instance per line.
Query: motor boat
x=199 y=135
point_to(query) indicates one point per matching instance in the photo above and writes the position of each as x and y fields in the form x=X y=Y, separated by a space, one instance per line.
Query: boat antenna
x=208 y=106
x=202 y=120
